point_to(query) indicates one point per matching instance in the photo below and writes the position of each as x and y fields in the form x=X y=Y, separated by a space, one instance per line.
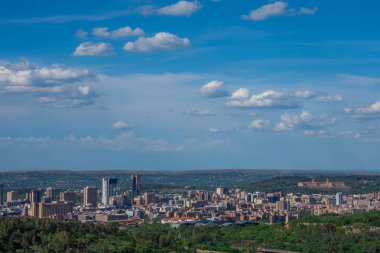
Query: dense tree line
x=346 y=233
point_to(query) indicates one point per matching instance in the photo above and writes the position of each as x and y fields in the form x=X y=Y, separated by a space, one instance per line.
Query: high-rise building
x=221 y=190
x=12 y=196
x=51 y=193
x=68 y=196
x=119 y=200
x=36 y=196
x=282 y=205
x=148 y=198
x=90 y=196
x=57 y=209
x=138 y=201
x=249 y=198
x=1 y=194
x=34 y=209
x=136 y=185
x=339 y=199
x=109 y=190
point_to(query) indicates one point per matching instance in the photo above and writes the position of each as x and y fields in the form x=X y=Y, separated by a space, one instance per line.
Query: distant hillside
x=253 y=180
x=200 y=179
x=286 y=184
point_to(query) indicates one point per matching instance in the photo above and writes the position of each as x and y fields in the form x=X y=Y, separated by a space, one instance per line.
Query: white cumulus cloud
x=54 y=85
x=213 y=89
x=240 y=93
x=305 y=120
x=266 y=11
x=72 y=97
x=104 y=32
x=181 y=8
x=267 y=99
x=305 y=94
x=42 y=76
x=260 y=125
x=159 y=42
x=374 y=108
x=290 y=122
x=278 y=8
x=370 y=112
x=93 y=49
x=120 y=125
x=319 y=96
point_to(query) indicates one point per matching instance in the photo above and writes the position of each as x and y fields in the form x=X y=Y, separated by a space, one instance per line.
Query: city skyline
x=176 y=85
x=186 y=206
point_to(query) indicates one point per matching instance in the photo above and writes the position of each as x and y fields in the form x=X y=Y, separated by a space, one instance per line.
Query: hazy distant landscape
x=251 y=180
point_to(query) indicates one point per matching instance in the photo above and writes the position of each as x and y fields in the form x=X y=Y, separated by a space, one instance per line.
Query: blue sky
x=168 y=85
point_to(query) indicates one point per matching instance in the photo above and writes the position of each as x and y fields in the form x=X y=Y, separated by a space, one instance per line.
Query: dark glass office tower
x=136 y=185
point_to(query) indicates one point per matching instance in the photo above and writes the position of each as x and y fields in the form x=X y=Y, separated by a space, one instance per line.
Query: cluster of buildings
x=178 y=207
x=238 y=206
x=323 y=185
x=63 y=205
x=346 y=204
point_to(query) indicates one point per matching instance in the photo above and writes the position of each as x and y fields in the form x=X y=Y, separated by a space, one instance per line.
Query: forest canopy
x=345 y=233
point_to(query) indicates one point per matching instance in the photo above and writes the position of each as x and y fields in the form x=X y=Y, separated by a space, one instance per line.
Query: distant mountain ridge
x=198 y=179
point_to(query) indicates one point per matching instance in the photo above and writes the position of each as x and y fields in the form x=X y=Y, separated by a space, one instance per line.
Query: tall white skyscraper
x=109 y=190
x=339 y=199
